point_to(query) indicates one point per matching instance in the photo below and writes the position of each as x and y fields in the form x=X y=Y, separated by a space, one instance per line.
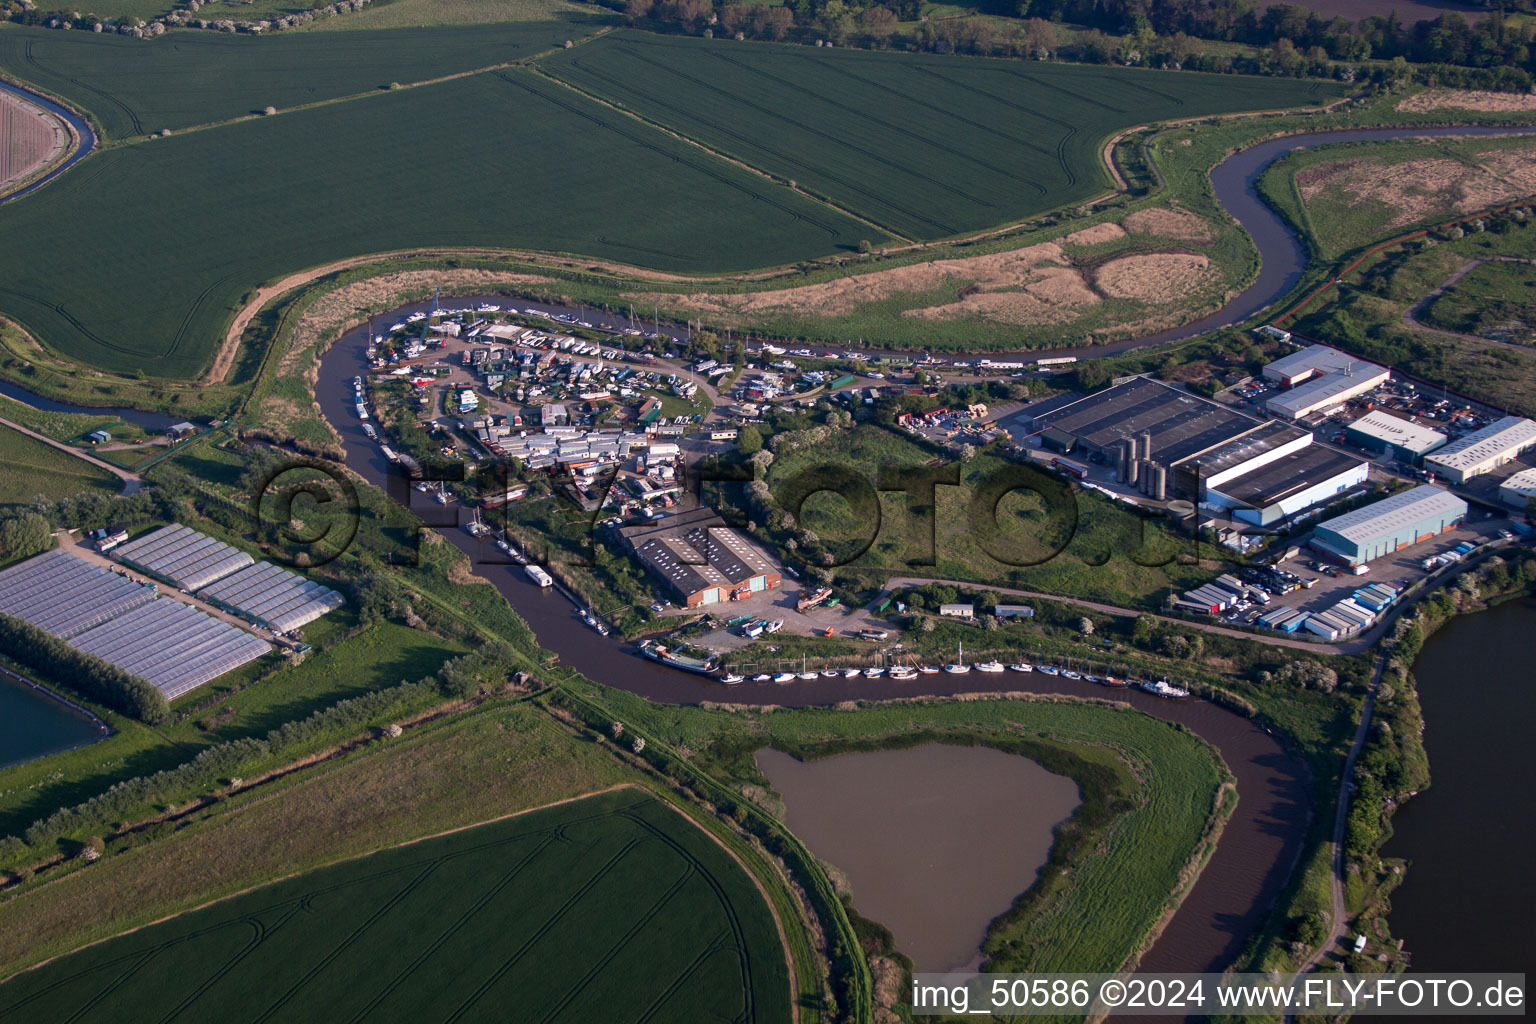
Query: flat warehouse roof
x=1405 y=434
x=1509 y=435
x=174 y=646
x=267 y=593
x=187 y=558
x=1181 y=424
x=65 y=595
x=1364 y=525
x=1244 y=447
x=1327 y=388
x=1317 y=358
x=1290 y=474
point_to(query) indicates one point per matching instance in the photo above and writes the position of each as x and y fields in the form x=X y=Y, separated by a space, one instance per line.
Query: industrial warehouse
x=703 y=560
x=1483 y=450
x=1389 y=434
x=173 y=646
x=1319 y=379
x=1292 y=483
x=1519 y=490
x=1167 y=443
x=1383 y=527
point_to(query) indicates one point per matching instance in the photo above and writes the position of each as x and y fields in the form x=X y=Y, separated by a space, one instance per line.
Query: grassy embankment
x=682 y=210
x=1149 y=792
x=33 y=468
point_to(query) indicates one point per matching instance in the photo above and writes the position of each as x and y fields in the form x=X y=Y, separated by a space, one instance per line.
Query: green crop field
x=127 y=274
x=33 y=468
x=134 y=87
x=608 y=908
x=926 y=146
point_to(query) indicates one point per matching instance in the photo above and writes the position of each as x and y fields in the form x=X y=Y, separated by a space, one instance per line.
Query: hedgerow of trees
x=90 y=676
x=1493 y=53
x=459 y=677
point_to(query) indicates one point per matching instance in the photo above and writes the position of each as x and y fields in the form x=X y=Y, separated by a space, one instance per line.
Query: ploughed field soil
x=29 y=138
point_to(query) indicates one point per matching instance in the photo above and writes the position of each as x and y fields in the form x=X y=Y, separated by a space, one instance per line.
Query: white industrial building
x=1393 y=435
x=1319 y=379
x=1208 y=470
x=1489 y=448
x=1311 y=362
x=1328 y=391
x=1520 y=489
x=1268 y=493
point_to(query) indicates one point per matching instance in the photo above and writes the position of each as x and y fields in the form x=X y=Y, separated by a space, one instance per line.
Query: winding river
x=1262 y=841
x=85 y=138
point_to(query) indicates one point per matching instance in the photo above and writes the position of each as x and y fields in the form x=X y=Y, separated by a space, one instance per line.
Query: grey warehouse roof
x=1508 y=435
x=1401 y=510
x=1181 y=424
x=273 y=596
x=173 y=645
x=729 y=552
x=1246 y=447
x=682 y=566
x=1327 y=387
x=1319 y=359
x=189 y=559
x=65 y=595
x=1288 y=475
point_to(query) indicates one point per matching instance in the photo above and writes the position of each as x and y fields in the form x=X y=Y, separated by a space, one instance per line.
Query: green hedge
x=90 y=676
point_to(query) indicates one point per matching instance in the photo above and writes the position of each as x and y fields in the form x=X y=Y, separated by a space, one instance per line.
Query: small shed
x=98 y=437
x=177 y=431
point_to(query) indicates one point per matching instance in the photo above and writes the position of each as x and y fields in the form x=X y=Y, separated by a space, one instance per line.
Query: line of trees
x=458 y=677
x=92 y=677
x=1493 y=53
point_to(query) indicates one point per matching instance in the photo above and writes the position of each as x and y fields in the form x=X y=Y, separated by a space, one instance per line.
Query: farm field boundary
x=879 y=132
x=164 y=285
x=132 y=87
x=490 y=896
